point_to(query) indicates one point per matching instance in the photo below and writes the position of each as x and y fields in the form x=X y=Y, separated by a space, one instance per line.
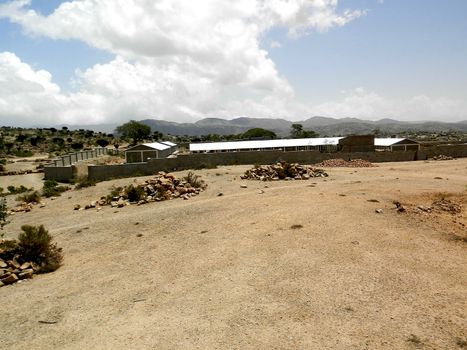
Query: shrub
x=134 y=193
x=17 y=190
x=84 y=182
x=3 y=212
x=35 y=244
x=51 y=189
x=194 y=180
x=33 y=197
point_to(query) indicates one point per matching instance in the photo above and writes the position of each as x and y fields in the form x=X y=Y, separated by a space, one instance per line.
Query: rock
x=12 y=278
x=1 y=284
x=243 y=186
x=26 y=274
x=93 y=204
x=3 y=264
x=77 y=207
x=13 y=263
x=220 y=194
x=25 y=266
x=379 y=211
x=260 y=192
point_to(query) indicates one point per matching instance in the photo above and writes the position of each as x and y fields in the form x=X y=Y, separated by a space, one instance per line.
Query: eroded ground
x=230 y=272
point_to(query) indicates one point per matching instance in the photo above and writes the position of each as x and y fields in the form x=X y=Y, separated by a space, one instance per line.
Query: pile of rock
x=341 y=163
x=159 y=188
x=283 y=171
x=447 y=206
x=442 y=157
x=11 y=271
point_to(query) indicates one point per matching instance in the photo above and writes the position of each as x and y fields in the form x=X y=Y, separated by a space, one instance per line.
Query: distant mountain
x=323 y=125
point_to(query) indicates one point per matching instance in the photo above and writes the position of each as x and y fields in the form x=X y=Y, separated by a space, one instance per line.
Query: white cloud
x=364 y=104
x=176 y=60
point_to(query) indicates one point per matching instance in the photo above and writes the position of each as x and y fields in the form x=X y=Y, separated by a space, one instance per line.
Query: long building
x=323 y=144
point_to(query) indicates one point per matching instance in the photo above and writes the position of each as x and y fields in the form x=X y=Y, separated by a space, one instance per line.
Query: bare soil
x=277 y=265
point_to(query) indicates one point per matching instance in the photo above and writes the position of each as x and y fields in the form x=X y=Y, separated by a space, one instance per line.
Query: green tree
x=297 y=132
x=257 y=133
x=134 y=130
x=102 y=142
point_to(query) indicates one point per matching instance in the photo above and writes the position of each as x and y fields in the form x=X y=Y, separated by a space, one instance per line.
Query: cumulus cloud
x=174 y=59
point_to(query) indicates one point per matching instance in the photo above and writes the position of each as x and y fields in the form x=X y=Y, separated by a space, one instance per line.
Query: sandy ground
x=229 y=272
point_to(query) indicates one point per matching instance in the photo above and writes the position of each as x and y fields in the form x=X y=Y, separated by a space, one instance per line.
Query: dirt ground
x=230 y=272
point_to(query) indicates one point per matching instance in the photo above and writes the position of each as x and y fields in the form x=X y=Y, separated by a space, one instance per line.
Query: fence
x=62 y=169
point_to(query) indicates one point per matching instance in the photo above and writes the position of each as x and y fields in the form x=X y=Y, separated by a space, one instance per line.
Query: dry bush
x=35 y=244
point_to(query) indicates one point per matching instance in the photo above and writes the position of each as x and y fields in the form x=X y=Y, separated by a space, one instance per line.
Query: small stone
x=379 y=211
x=10 y=279
x=260 y=192
x=243 y=186
x=93 y=204
x=1 y=284
x=139 y=235
x=3 y=264
x=77 y=207
x=220 y=194
x=26 y=274
x=42 y=205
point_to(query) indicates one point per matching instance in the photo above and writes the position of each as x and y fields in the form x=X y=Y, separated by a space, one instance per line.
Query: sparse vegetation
x=84 y=182
x=18 y=190
x=52 y=189
x=33 y=197
x=3 y=214
x=194 y=180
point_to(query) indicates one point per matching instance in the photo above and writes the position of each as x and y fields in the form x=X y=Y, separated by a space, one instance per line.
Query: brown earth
x=230 y=272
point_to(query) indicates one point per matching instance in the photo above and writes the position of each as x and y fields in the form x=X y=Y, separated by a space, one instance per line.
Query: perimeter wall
x=197 y=161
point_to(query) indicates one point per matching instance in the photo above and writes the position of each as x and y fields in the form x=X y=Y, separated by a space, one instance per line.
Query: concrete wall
x=58 y=173
x=194 y=161
x=456 y=151
x=62 y=169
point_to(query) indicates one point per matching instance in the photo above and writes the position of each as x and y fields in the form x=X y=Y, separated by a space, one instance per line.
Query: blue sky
x=412 y=54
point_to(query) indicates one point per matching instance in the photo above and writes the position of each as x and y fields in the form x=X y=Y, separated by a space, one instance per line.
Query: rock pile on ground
x=11 y=271
x=283 y=171
x=447 y=206
x=341 y=163
x=159 y=188
x=442 y=157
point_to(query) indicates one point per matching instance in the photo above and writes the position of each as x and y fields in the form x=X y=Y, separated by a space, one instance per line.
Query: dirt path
x=229 y=272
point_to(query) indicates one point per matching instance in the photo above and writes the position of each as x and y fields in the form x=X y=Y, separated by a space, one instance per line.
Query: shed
x=141 y=153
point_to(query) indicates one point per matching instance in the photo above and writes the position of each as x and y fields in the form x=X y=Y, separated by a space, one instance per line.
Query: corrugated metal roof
x=171 y=144
x=387 y=141
x=258 y=144
x=154 y=145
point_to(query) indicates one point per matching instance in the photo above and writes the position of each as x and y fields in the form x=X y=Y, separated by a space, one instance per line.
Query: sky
x=86 y=62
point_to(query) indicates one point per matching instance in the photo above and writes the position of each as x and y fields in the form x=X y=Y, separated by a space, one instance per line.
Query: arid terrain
x=276 y=265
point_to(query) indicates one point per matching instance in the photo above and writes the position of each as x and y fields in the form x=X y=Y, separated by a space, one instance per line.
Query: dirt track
x=229 y=272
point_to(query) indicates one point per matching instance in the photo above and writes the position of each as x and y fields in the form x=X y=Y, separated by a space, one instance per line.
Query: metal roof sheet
x=258 y=144
x=171 y=144
x=156 y=145
x=387 y=141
